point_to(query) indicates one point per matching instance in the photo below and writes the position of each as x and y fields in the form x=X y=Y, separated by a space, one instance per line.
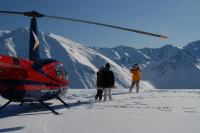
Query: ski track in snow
x=127 y=112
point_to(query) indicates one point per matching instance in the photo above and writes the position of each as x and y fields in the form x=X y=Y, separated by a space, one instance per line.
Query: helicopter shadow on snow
x=11 y=129
x=89 y=101
x=38 y=109
x=25 y=109
x=113 y=94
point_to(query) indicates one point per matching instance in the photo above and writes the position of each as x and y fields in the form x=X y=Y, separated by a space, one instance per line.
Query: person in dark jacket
x=99 y=84
x=108 y=81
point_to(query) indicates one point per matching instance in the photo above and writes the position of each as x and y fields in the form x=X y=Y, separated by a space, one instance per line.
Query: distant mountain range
x=165 y=67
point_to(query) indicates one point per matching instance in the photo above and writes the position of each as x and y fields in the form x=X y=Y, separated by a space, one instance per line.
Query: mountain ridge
x=164 y=67
x=80 y=61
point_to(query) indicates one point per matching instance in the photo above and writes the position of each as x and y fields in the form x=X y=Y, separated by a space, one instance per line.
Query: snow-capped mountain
x=125 y=56
x=160 y=54
x=173 y=67
x=3 y=32
x=180 y=71
x=193 y=48
x=81 y=62
x=165 y=67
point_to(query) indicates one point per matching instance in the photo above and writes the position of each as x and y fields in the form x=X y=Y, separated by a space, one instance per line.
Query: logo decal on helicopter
x=36 y=41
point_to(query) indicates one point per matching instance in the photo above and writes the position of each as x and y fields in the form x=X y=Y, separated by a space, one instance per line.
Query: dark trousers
x=99 y=94
x=133 y=84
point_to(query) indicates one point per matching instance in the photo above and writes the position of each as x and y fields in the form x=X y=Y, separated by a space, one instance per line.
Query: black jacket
x=99 y=78
x=108 y=78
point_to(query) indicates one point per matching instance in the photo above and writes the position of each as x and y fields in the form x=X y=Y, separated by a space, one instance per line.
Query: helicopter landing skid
x=5 y=104
x=48 y=107
x=21 y=103
x=42 y=102
x=67 y=105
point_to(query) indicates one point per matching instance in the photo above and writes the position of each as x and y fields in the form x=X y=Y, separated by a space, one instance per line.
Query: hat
x=107 y=65
x=101 y=68
x=135 y=66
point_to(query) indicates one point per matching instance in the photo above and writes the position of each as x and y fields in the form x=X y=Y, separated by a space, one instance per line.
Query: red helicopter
x=36 y=79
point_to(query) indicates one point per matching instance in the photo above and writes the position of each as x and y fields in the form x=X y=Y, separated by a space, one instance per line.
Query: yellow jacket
x=136 y=74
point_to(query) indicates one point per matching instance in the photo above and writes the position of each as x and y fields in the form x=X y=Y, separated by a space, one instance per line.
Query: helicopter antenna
x=36 y=14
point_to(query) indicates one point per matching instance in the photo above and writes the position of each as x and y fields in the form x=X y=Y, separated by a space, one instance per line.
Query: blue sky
x=178 y=19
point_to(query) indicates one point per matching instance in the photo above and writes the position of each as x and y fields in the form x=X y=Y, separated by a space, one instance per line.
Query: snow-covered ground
x=150 y=111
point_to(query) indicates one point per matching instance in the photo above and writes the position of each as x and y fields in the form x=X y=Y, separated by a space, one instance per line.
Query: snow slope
x=150 y=111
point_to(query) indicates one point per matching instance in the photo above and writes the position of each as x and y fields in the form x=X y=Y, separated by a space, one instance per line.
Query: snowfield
x=150 y=111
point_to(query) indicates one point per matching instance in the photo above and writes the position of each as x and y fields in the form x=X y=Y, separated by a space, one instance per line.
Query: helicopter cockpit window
x=59 y=71
x=65 y=74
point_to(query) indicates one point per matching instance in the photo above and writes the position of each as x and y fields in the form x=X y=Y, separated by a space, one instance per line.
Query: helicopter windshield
x=61 y=72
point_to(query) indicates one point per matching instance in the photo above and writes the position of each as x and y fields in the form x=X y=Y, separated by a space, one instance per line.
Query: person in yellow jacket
x=136 y=76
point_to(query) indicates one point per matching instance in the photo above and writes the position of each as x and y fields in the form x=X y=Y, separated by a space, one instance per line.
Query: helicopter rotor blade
x=12 y=12
x=106 y=25
x=38 y=15
x=28 y=14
